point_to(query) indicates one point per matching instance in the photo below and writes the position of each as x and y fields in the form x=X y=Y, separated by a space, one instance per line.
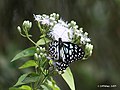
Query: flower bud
x=81 y=30
x=41 y=48
x=36 y=56
x=86 y=33
x=19 y=29
x=89 y=48
x=39 y=56
x=45 y=54
x=38 y=50
x=76 y=26
x=57 y=16
x=52 y=18
x=73 y=23
x=26 y=25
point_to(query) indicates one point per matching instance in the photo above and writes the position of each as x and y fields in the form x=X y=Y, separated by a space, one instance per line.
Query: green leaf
x=68 y=77
x=27 y=64
x=43 y=41
x=52 y=85
x=21 y=78
x=27 y=78
x=25 y=53
x=31 y=78
x=25 y=87
x=44 y=87
x=14 y=88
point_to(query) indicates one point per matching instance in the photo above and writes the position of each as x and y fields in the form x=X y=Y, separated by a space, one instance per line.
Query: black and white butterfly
x=64 y=53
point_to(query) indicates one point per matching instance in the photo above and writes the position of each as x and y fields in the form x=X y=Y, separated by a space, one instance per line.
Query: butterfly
x=64 y=53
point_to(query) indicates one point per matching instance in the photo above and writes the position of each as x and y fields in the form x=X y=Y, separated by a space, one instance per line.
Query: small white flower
x=52 y=21
x=54 y=15
x=41 y=48
x=44 y=19
x=59 y=31
x=73 y=22
x=75 y=27
x=36 y=56
x=89 y=48
x=39 y=56
x=57 y=16
x=84 y=38
x=19 y=29
x=45 y=16
x=37 y=17
x=81 y=30
x=85 y=33
x=52 y=18
x=77 y=32
x=63 y=23
x=27 y=25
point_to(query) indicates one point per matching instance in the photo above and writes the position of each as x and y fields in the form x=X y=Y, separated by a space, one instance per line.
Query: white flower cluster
x=46 y=19
x=79 y=33
x=84 y=36
x=64 y=30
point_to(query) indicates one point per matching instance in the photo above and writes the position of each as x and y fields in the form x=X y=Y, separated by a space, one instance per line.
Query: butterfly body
x=64 y=53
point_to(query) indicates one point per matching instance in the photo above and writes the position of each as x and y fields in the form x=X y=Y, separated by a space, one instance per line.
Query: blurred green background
x=100 y=18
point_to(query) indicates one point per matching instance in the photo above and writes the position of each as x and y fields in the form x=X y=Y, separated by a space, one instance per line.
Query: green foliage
x=21 y=79
x=68 y=77
x=14 y=88
x=43 y=41
x=23 y=87
x=27 y=64
x=25 y=53
x=32 y=77
x=44 y=69
x=52 y=85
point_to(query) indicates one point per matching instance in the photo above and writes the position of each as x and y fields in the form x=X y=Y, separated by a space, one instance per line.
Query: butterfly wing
x=64 y=53
x=72 y=52
x=57 y=54
x=53 y=50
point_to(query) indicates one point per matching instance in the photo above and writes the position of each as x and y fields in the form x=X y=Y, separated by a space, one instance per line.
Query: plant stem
x=31 y=40
x=40 y=27
x=45 y=78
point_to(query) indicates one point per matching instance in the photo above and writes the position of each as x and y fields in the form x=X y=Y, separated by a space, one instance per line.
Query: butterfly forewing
x=72 y=52
x=53 y=50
